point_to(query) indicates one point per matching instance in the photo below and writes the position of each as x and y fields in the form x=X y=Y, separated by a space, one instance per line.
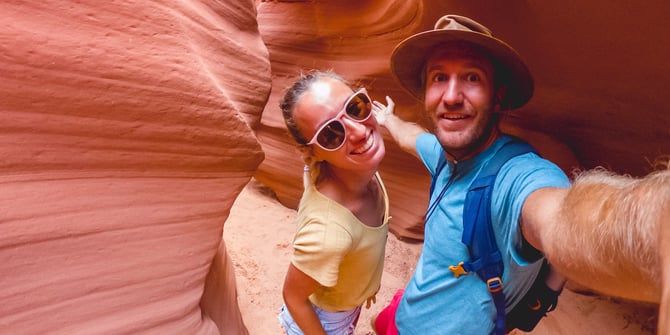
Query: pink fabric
x=385 y=321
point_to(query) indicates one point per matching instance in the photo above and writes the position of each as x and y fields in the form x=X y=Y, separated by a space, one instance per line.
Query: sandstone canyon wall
x=126 y=136
x=599 y=69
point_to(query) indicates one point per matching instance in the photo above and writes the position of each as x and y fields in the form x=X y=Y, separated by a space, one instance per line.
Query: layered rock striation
x=126 y=136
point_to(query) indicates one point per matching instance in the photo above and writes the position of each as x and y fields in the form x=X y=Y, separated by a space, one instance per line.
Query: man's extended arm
x=404 y=133
x=605 y=232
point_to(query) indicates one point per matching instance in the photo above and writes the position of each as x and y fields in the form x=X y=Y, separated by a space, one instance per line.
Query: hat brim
x=409 y=57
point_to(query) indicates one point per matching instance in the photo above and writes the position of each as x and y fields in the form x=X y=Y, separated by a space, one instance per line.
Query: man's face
x=459 y=97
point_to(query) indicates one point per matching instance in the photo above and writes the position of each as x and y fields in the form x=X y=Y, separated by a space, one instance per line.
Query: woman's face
x=362 y=147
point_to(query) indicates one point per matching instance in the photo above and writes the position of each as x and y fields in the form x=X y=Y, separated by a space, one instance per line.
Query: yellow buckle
x=457 y=270
x=494 y=285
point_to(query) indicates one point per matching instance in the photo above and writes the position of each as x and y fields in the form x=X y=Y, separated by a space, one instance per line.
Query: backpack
x=486 y=259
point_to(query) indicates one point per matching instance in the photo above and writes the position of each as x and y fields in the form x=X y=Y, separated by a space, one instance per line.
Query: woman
x=343 y=214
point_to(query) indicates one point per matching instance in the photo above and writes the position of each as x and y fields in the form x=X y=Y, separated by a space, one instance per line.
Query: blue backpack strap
x=478 y=235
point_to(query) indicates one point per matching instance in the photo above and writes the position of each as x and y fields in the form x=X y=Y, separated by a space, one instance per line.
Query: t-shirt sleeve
x=319 y=248
x=429 y=149
x=521 y=177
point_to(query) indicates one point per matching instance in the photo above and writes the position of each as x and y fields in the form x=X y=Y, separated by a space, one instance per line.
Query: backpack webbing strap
x=478 y=235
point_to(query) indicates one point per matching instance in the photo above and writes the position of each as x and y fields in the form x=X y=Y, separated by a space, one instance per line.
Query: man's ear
x=499 y=99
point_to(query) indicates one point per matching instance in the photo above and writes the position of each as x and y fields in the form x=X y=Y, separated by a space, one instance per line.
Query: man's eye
x=439 y=77
x=472 y=77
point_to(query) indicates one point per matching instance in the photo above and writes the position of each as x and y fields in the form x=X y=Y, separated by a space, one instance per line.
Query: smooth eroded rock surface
x=125 y=137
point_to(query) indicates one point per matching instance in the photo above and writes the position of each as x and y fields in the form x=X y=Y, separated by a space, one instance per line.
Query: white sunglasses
x=332 y=134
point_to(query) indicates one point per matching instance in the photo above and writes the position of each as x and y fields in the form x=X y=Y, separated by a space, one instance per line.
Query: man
x=465 y=77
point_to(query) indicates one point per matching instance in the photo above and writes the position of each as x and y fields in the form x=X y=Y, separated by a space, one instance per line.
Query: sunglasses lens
x=359 y=107
x=332 y=135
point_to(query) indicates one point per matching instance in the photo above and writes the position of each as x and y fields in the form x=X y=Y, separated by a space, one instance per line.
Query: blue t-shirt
x=435 y=302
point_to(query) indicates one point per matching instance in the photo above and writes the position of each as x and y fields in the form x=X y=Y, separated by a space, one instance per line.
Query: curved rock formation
x=126 y=137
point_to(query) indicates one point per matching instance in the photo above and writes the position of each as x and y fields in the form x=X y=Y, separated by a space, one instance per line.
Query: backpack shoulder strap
x=478 y=235
x=477 y=208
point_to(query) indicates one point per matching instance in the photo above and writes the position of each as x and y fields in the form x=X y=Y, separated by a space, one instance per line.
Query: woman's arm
x=297 y=288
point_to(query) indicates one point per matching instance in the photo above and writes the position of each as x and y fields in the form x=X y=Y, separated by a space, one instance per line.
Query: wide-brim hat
x=409 y=57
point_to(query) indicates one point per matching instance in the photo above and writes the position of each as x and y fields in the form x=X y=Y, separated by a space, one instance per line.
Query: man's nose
x=452 y=95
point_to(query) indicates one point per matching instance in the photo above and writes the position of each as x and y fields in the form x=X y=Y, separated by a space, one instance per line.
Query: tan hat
x=409 y=57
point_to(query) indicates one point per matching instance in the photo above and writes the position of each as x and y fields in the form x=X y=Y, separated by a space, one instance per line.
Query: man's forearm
x=607 y=233
x=404 y=133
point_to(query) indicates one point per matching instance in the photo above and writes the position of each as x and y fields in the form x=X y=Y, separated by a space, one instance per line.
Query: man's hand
x=382 y=111
x=404 y=133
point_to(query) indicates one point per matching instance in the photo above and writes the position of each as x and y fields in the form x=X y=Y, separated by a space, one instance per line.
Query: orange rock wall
x=600 y=69
x=125 y=138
